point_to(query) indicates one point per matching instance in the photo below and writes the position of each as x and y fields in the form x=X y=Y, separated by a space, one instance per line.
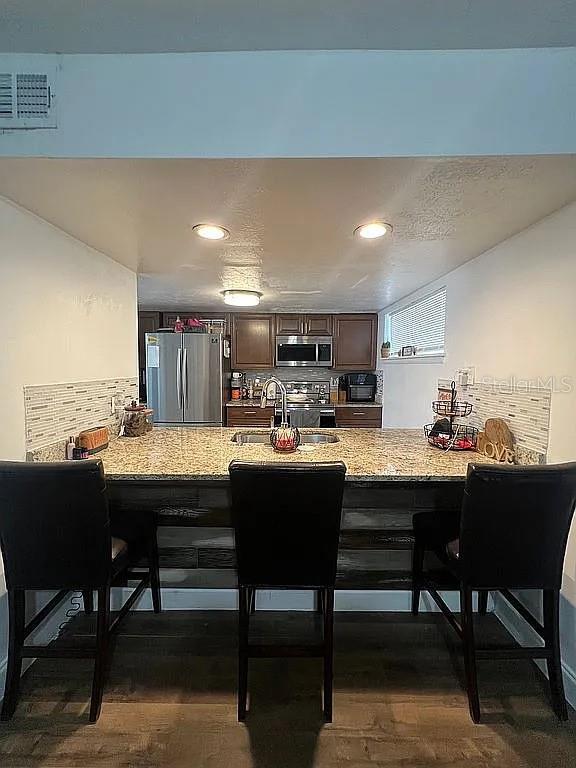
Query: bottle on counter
x=250 y=390
x=70 y=445
x=236 y=386
x=342 y=390
x=334 y=389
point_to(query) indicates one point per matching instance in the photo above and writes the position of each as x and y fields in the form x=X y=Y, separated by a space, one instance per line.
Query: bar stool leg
x=552 y=640
x=417 y=571
x=16 y=611
x=88 y=598
x=467 y=619
x=102 y=645
x=243 y=619
x=154 y=567
x=328 y=602
x=252 y=600
x=483 y=601
x=319 y=601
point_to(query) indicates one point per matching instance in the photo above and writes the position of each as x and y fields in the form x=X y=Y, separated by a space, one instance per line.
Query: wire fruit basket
x=460 y=438
x=445 y=433
x=448 y=408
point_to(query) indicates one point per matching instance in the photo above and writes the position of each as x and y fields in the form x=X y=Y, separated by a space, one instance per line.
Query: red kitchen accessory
x=194 y=325
x=285 y=439
x=461 y=438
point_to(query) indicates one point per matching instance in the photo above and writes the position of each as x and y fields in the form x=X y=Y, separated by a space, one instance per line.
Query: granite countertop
x=256 y=404
x=204 y=454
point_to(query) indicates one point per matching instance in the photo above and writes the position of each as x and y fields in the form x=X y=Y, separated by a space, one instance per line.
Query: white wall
x=307 y=104
x=511 y=312
x=67 y=313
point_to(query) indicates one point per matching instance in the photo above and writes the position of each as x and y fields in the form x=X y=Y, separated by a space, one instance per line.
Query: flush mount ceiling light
x=242 y=298
x=372 y=230
x=211 y=231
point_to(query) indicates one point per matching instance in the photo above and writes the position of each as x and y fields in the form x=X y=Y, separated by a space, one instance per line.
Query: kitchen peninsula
x=371 y=455
x=181 y=476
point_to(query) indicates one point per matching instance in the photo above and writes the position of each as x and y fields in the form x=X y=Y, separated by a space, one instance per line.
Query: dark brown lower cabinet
x=249 y=416
x=358 y=416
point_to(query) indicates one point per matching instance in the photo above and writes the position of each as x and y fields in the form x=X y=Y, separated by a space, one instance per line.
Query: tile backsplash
x=56 y=411
x=312 y=374
x=525 y=410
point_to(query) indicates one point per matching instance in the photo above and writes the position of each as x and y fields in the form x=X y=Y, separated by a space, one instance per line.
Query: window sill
x=413 y=359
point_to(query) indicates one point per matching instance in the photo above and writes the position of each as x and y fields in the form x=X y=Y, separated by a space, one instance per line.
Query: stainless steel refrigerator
x=184 y=378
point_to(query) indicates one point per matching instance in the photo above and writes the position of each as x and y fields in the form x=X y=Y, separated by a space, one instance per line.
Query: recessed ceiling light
x=211 y=231
x=372 y=229
x=242 y=298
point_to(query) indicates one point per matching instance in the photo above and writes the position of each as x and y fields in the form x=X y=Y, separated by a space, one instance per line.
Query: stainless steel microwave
x=304 y=351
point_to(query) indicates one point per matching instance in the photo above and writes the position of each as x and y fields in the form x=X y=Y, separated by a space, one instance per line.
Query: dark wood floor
x=398 y=701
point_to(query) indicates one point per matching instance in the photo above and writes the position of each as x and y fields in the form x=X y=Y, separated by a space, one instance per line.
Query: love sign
x=496 y=441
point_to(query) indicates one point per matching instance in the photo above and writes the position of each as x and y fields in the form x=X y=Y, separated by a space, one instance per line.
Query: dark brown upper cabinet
x=318 y=325
x=290 y=325
x=355 y=342
x=303 y=325
x=148 y=322
x=252 y=341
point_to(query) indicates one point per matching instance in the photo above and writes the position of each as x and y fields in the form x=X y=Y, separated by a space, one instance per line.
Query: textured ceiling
x=142 y=26
x=291 y=221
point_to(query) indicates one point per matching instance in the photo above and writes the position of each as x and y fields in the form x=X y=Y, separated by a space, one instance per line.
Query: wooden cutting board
x=498 y=432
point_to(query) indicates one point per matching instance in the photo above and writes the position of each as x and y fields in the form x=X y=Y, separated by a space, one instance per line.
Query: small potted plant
x=385 y=351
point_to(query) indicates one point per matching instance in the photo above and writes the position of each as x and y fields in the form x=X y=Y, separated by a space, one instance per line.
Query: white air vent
x=27 y=100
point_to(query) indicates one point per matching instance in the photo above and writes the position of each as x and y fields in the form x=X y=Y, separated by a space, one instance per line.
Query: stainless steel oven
x=308 y=404
x=304 y=351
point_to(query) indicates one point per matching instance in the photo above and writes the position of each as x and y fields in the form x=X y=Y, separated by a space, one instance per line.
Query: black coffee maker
x=360 y=387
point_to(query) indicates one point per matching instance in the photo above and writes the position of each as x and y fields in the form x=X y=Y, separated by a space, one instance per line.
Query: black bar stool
x=511 y=535
x=287 y=526
x=55 y=535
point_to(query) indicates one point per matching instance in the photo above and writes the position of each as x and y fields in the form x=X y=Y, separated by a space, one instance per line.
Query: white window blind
x=420 y=325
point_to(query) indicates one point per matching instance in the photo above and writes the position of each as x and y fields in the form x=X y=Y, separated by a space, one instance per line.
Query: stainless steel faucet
x=283 y=395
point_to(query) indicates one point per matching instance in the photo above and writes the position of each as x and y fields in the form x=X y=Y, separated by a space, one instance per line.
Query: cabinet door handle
x=358 y=413
x=249 y=413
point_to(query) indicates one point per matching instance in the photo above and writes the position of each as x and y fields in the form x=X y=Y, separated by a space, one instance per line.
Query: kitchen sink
x=310 y=438
x=317 y=438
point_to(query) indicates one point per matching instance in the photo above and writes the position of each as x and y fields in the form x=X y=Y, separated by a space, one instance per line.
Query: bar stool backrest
x=287 y=522
x=515 y=524
x=54 y=525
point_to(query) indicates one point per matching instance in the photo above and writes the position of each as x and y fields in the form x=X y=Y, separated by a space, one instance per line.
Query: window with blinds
x=419 y=325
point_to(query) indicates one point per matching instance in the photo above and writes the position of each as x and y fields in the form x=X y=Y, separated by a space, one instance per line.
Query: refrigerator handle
x=185 y=378
x=179 y=377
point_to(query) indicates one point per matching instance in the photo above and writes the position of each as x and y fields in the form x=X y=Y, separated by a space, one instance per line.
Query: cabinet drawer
x=359 y=417
x=236 y=416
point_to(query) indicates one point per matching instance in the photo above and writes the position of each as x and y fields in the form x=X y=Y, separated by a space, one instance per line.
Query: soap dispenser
x=70 y=445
